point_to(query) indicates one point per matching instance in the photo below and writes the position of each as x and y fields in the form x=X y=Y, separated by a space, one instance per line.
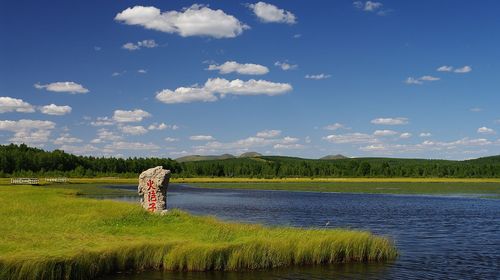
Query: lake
x=439 y=237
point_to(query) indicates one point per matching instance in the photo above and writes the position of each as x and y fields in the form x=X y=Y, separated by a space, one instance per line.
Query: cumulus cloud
x=485 y=130
x=318 y=76
x=105 y=135
x=102 y=121
x=208 y=92
x=245 y=69
x=425 y=134
x=463 y=70
x=133 y=130
x=445 y=68
x=390 y=121
x=122 y=145
x=371 y=6
x=55 y=110
x=69 y=87
x=385 y=132
x=334 y=126
x=161 y=126
x=123 y=116
x=28 y=131
x=201 y=138
x=197 y=20
x=421 y=80
x=65 y=138
x=246 y=144
x=79 y=149
x=139 y=45
x=405 y=135
x=170 y=139
x=350 y=138
x=142 y=71
x=269 y=133
x=270 y=13
x=9 y=104
x=285 y=66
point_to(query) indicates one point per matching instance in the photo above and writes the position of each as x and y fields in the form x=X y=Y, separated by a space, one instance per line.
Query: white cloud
x=246 y=144
x=413 y=81
x=136 y=115
x=79 y=149
x=170 y=139
x=104 y=135
x=429 y=78
x=350 y=138
x=368 y=6
x=102 y=121
x=133 y=130
x=245 y=69
x=141 y=44
x=197 y=20
x=476 y=109
x=122 y=145
x=55 y=110
x=425 y=134
x=9 y=104
x=142 y=71
x=390 y=121
x=318 y=76
x=269 y=133
x=208 y=92
x=270 y=13
x=201 y=138
x=334 y=126
x=405 y=135
x=161 y=126
x=288 y=146
x=65 y=138
x=28 y=131
x=445 y=68
x=462 y=70
x=25 y=124
x=421 y=80
x=69 y=87
x=485 y=130
x=286 y=66
x=385 y=132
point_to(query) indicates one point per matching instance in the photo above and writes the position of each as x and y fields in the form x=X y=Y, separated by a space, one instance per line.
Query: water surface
x=437 y=237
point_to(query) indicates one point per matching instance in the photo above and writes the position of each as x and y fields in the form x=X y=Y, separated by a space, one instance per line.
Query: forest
x=24 y=161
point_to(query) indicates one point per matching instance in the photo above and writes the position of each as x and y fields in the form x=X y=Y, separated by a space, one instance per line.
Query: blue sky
x=172 y=78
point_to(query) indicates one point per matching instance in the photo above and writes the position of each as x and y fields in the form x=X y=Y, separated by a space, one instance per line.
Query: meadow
x=55 y=232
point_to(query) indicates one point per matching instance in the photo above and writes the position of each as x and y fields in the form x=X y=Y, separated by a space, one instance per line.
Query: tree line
x=21 y=161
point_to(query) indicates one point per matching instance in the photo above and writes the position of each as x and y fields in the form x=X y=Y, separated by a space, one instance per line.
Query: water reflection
x=437 y=237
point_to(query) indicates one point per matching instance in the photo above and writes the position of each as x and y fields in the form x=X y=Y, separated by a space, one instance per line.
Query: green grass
x=53 y=233
x=431 y=188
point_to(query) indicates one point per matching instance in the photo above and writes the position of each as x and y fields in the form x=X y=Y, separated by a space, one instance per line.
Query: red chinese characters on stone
x=151 y=196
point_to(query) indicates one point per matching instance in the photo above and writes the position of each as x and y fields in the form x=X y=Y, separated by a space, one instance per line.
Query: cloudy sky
x=171 y=78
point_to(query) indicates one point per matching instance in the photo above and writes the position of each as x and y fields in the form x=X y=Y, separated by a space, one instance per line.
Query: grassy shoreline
x=52 y=233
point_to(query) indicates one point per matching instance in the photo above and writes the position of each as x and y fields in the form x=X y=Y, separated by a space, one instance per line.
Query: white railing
x=56 y=180
x=25 y=181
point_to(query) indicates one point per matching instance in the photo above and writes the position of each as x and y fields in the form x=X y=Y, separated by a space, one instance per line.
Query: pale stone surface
x=153 y=185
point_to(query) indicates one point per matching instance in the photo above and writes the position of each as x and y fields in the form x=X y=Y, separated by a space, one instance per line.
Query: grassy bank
x=377 y=187
x=52 y=233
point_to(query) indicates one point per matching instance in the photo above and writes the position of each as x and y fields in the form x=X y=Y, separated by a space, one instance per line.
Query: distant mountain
x=200 y=158
x=250 y=155
x=330 y=157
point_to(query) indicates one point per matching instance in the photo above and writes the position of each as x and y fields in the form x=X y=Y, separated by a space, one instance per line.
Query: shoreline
x=63 y=235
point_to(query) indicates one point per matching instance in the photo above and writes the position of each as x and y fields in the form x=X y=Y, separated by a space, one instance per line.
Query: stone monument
x=152 y=188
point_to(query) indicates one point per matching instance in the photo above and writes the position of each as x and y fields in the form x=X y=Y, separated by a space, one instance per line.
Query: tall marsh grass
x=48 y=233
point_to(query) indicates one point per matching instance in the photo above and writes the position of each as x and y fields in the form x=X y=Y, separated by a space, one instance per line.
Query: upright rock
x=153 y=185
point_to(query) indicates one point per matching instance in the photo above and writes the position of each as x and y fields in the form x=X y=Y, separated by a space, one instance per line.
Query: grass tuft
x=51 y=233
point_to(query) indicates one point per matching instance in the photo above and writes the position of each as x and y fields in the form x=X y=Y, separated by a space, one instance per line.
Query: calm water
x=437 y=237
